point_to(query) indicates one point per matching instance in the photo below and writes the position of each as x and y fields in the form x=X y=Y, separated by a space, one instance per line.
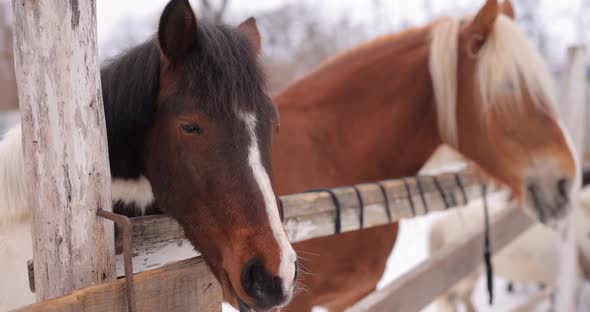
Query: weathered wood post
x=64 y=144
x=572 y=111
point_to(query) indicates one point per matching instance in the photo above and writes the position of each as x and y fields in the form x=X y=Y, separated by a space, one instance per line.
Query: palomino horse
x=187 y=118
x=380 y=110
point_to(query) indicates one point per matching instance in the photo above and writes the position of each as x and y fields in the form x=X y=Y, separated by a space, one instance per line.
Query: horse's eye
x=192 y=128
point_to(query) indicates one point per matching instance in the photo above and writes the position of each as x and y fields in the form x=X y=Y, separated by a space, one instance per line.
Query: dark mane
x=221 y=71
x=130 y=86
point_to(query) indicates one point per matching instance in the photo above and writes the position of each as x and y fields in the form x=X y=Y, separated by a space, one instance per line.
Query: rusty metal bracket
x=31 y=272
x=127 y=228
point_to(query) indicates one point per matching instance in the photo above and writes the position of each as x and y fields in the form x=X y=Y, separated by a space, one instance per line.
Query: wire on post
x=127 y=228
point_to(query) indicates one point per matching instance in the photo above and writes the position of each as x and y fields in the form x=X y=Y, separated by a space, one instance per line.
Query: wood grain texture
x=417 y=288
x=64 y=144
x=311 y=215
x=186 y=285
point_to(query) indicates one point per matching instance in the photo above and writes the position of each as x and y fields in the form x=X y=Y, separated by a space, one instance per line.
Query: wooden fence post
x=572 y=111
x=64 y=144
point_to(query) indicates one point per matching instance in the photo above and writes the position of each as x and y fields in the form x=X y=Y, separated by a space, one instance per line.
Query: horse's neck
x=365 y=116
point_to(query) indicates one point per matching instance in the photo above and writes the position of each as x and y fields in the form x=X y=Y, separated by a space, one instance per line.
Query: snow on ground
x=411 y=249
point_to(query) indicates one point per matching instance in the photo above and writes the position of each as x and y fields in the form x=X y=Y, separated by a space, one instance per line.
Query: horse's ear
x=177 y=32
x=250 y=28
x=508 y=9
x=483 y=23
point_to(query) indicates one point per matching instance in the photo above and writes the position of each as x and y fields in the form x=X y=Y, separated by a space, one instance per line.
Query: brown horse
x=187 y=118
x=380 y=110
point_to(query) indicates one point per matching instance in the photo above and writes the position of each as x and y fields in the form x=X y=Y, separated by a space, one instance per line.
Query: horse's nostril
x=562 y=187
x=261 y=285
x=252 y=277
x=296 y=271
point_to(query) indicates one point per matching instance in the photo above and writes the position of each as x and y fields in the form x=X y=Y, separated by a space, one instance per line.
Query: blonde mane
x=507 y=67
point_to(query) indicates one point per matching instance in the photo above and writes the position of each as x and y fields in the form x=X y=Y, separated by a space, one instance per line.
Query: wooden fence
x=312 y=215
x=187 y=284
x=306 y=215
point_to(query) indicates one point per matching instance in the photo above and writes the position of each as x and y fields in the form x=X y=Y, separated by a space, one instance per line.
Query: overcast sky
x=561 y=17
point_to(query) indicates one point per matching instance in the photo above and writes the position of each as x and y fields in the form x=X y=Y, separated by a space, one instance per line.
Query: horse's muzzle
x=550 y=199
x=262 y=286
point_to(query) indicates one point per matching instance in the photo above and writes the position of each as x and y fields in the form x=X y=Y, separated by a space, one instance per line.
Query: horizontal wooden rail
x=424 y=283
x=312 y=215
x=186 y=285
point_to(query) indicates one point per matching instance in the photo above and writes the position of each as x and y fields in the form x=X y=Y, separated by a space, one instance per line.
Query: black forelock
x=221 y=72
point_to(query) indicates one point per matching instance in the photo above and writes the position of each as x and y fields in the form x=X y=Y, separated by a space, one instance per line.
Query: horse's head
x=496 y=105
x=209 y=151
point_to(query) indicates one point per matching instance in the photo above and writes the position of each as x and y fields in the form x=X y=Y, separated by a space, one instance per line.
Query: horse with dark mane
x=189 y=133
x=380 y=110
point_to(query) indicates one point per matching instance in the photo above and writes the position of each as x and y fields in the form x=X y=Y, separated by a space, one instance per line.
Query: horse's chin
x=243 y=307
x=231 y=296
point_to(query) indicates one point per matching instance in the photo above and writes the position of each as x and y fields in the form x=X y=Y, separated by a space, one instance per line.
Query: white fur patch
x=13 y=191
x=133 y=191
x=288 y=256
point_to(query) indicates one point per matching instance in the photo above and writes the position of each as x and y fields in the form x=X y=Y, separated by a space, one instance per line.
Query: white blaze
x=288 y=256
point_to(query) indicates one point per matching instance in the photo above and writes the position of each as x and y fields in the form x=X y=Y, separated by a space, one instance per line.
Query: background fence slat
x=572 y=110
x=420 y=286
